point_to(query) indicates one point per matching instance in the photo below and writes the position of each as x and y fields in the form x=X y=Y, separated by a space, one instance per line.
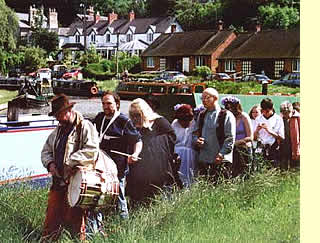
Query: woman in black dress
x=154 y=172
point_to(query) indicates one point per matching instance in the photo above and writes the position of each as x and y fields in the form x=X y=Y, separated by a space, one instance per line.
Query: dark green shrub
x=202 y=71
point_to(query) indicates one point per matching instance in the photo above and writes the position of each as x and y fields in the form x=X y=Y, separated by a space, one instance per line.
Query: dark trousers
x=214 y=172
x=242 y=160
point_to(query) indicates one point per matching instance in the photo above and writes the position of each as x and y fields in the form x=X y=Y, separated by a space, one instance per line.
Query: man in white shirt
x=269 y=130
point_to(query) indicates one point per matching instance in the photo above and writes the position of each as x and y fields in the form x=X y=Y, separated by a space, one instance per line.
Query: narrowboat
x=75 y=87
x=21 y=142
x=12 y=83
x=132 y=89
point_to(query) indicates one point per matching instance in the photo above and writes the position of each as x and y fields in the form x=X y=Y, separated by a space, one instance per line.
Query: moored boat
x=131 y=90
x=75 y=87
x=21 y=142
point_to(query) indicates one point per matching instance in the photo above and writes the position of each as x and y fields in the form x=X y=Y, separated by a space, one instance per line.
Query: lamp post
x=83 y=6
x=117 y=60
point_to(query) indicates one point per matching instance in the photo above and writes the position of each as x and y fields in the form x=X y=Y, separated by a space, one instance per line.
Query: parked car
x=253 y=77
x=41 y=73
x=219 y=77
x=171 y=76
x=290 y=79
x=59 y=70
x=73 y=74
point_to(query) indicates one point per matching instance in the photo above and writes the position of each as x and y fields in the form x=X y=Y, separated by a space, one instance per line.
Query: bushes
x=202 y=71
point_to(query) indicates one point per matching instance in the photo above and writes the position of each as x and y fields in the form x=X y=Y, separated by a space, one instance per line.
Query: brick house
x=273 y=51
x=185 y=50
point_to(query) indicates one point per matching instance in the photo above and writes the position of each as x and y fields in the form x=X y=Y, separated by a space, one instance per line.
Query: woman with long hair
x=153 y=173
x=242 y=153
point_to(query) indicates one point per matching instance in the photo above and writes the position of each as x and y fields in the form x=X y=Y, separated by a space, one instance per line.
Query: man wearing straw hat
x=74 y=142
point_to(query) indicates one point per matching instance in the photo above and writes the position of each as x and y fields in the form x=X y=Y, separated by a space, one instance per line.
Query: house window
x=93 y=38
x=108 y=38
x=129 y=37
x=200 y=61
x=150 y=37
x=296 y=65
x=230 y=66
x=150 y=62
x=77 y=38
x=246 y=67
x=278 y=68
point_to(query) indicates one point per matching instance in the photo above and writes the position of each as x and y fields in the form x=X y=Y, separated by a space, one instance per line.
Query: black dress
x=154 y=171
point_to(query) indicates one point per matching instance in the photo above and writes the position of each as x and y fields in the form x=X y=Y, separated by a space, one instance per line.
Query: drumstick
x=117 y=152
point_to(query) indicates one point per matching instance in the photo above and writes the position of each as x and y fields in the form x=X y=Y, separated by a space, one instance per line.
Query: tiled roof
x=187 y=43
x=122 y=25
x=264 y=44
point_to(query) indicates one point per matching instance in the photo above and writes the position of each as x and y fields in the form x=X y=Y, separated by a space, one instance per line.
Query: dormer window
x=150 y=37
x=129 y=37
x=77 y=38
x=93 y=38
x=108 y=38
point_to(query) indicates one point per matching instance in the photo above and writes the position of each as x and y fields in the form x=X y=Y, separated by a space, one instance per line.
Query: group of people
x=153 y=156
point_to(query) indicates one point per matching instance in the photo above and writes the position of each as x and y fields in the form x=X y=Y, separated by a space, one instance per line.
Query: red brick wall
x=218 y=51
x=156 y=64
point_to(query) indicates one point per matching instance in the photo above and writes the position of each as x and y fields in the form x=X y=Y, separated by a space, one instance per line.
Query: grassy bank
x=6 y=95
x=264 y=208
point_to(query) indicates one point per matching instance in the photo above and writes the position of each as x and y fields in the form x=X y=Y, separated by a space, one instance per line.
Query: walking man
x=74 y=142
x=117 y=133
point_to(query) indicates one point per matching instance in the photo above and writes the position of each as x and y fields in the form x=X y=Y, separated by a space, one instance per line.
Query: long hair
x=146 y=112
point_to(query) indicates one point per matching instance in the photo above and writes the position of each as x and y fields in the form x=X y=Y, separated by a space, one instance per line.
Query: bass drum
x=92 y=188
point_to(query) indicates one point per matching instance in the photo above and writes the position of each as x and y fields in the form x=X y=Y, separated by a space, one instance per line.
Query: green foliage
x=90 y=56
x=45 y=39
x=202 y=71
x=194 y=15
x=277 y=17
x=34 y=58
x=263 y=208
x=9 y=27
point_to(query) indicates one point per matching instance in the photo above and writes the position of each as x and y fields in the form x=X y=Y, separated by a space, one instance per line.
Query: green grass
x=6 y=95
x=264 y=208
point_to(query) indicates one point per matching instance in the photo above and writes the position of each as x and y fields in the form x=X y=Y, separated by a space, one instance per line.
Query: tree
x=34 y=58
x=9 y=27
x=45 y=39
x=193 y=15
x=276 y=17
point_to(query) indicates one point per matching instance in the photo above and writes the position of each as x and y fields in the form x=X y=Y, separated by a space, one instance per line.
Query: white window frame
x=129 y=37
x=150 y=37
x=230 y=66
x=246 y=67
x=296 y=65
x=200 y=61
x=108 y=38
x=278 y=68
x=93 y=38
x=150 y=62
x=77 y=37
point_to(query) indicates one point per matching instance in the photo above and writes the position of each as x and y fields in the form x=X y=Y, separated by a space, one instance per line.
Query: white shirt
x=275 y=123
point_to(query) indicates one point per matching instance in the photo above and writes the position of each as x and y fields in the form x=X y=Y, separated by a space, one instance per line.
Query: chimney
x=97 y=17
x=112 y=17
x=131 y=15
x=220 y=25
x=91 y=11
x=53 y=18
x=258 y=26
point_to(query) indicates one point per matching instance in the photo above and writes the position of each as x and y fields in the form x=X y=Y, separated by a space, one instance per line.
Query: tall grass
x=263 y=208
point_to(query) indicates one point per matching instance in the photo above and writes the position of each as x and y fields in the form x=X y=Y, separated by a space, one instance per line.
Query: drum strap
x=102 y=132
